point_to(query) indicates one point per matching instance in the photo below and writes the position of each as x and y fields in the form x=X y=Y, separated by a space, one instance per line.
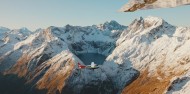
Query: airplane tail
x=81 y=66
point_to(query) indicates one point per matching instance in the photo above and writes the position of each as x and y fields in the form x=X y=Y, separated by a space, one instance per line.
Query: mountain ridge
x=149 y=48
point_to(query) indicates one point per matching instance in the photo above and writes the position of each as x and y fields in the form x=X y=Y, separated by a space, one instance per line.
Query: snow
x=180 y=85
x=3 y=29
x=152 y=46
x=146 y=43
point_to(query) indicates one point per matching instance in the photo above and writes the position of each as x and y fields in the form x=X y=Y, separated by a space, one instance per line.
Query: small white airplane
x=134 y=5
x=92 y=66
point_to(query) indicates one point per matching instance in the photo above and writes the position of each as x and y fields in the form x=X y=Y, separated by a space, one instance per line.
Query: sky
x=35 y=14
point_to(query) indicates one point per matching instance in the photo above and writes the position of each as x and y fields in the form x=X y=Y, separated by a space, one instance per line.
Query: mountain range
x=150 y=56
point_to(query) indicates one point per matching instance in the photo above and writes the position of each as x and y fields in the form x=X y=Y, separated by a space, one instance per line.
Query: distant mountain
x=149 y=56
x=3 y=29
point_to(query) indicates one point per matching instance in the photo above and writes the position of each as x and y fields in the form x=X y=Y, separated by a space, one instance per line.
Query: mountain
x=8 y=39
x=148 y=56
x=3 y=29
x=159 y=51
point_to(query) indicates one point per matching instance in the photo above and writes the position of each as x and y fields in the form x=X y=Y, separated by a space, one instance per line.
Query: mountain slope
x=8 y=39
x=148 y=56
x=155 y=48
x=48 y=56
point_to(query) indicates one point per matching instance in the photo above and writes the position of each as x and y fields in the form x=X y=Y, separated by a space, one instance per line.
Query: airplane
x=92 y=66
x=134 y=5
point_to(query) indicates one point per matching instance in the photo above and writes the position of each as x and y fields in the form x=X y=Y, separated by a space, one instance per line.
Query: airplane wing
x=90 y=67
x=134 y=5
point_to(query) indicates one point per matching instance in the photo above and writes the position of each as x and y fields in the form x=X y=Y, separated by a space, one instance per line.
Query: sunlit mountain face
x=150 y=56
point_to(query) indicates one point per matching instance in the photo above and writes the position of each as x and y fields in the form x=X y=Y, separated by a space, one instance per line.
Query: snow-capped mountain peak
x=147 y=29
x=149 y=52
x=22 y=31
x=111 y=25
x=148 y=22
x=3 y=29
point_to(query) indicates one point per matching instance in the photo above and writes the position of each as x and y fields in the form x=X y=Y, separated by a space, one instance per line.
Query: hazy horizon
x=44 y=13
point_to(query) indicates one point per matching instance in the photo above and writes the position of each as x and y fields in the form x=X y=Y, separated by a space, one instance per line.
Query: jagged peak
x=150 y=28
x=111 y=25
x=68 y=27
x=23 y=31
x=38 y=30
x=148 y=22
x=4 y=29
x=53 y=29
x=112 y=22
x=154 y=20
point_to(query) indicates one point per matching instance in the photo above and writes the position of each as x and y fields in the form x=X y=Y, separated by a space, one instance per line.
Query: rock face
x=159 y=51
x=148 y=56
x=8 y=39
x=46 y=58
